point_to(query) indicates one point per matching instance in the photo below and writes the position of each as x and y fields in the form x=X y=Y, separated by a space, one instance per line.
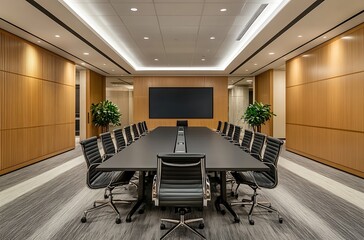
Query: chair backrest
x=93 y=158
x=182 y=123
x=247 y=139
x=258 y=143
x=129 y=137
x=135 y=131
x=145 y=126
x=236 y=136
x=119 y=138
x=225 y=128
x=141 y=128
x=218 y=129
x=107 y=143
x=181 y=180
x=231 y=130
x=271 y=156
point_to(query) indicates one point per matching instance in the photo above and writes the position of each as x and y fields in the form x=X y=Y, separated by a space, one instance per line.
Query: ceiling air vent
x=251 y=21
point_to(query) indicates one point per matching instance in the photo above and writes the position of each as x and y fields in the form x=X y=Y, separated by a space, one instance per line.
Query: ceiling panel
x=144 y=9
x=179 y=9
x=232 y=9
x=178 y=21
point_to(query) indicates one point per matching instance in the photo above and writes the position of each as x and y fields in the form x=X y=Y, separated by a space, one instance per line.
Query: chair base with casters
x=182 y=222
x=249 y=179
x=108 y=202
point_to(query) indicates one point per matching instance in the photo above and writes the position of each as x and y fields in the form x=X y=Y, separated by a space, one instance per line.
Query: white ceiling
x=179 y=33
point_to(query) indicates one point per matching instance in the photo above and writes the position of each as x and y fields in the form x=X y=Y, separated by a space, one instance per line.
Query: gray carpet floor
x=52 y=210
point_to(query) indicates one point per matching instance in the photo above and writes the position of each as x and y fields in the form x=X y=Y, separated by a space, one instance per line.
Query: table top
x=221 y=155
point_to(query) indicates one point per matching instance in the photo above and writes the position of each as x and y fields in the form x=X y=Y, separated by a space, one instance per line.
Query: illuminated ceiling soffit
x=90 y=13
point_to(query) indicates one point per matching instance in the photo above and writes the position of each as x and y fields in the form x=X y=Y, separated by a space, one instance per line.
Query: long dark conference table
x=221 y=156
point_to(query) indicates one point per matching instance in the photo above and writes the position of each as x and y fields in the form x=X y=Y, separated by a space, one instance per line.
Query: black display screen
x=181 y=102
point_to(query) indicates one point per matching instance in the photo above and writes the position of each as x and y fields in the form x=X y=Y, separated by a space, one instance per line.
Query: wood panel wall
x=325 y=102
x=95 y=93
x=37 y=107
x=264 y=93
x=141 y=98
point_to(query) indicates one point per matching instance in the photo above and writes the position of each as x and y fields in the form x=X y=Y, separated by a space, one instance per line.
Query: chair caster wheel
x=83 y=219
x=236 y=220
x=232 y=194
x=223 y=212
x=236 y=196
x=94 y=205
x=201 y=226
x=163 y=208
x=128 y=220
x=141 y=211
x=280 y=220
x=251 y=222
x=106 y=196
x=270 y=211
x=162 y=226
x=118 y=221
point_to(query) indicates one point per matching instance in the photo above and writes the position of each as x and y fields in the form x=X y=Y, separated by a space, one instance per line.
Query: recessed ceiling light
x=112 y=70
x=86 y=53
x=212 y=38
x=299 y=36
x=306 y=55
x=57 y=36
x=156 y=59
x=146 y=38
x=249 y=81
x=223 y=10
x=39 y=41
x=133 y=9
x=271 y=53
x=104 y=64
x=246 y=70
x=83 y=63
x=203 y=59
x=255 y=64
x=347 y=37
x=324 y=37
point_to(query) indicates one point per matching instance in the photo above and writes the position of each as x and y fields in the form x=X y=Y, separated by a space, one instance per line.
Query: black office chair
x=181 y=182
x=141 y=129
x=258 y=180
x=218 y=129
x=108 y=145
x=97 y=179
x=224 y=129
x=129 y=137
x=182 y=123
x=257 y=146
x=119 y=138
x=247 y=140
x=135 y=132
x=230 y=132
x=236 y=136
x=145 y=127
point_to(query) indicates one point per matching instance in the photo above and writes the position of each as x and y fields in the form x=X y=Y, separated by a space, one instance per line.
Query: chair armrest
x=107 y=156
x=155 y=191
x=207 y=193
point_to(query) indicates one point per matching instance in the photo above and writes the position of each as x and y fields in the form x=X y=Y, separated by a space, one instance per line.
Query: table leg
x=222 y=198
x=141 y=196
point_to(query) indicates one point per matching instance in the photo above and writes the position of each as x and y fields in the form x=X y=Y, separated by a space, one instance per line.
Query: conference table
x=221 y=156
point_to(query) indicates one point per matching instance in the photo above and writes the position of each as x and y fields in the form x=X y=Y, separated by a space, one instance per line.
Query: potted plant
x=105 y=113
x=257 y=114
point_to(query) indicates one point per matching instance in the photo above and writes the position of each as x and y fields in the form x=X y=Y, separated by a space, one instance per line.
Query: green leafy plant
x=257 y=114
x=105 y=113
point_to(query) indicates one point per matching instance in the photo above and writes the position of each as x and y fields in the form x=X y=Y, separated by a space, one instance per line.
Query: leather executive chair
x=97 y=179
x=181 y=182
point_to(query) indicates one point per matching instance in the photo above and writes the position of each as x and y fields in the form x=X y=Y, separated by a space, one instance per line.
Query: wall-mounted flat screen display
x=181 y=102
